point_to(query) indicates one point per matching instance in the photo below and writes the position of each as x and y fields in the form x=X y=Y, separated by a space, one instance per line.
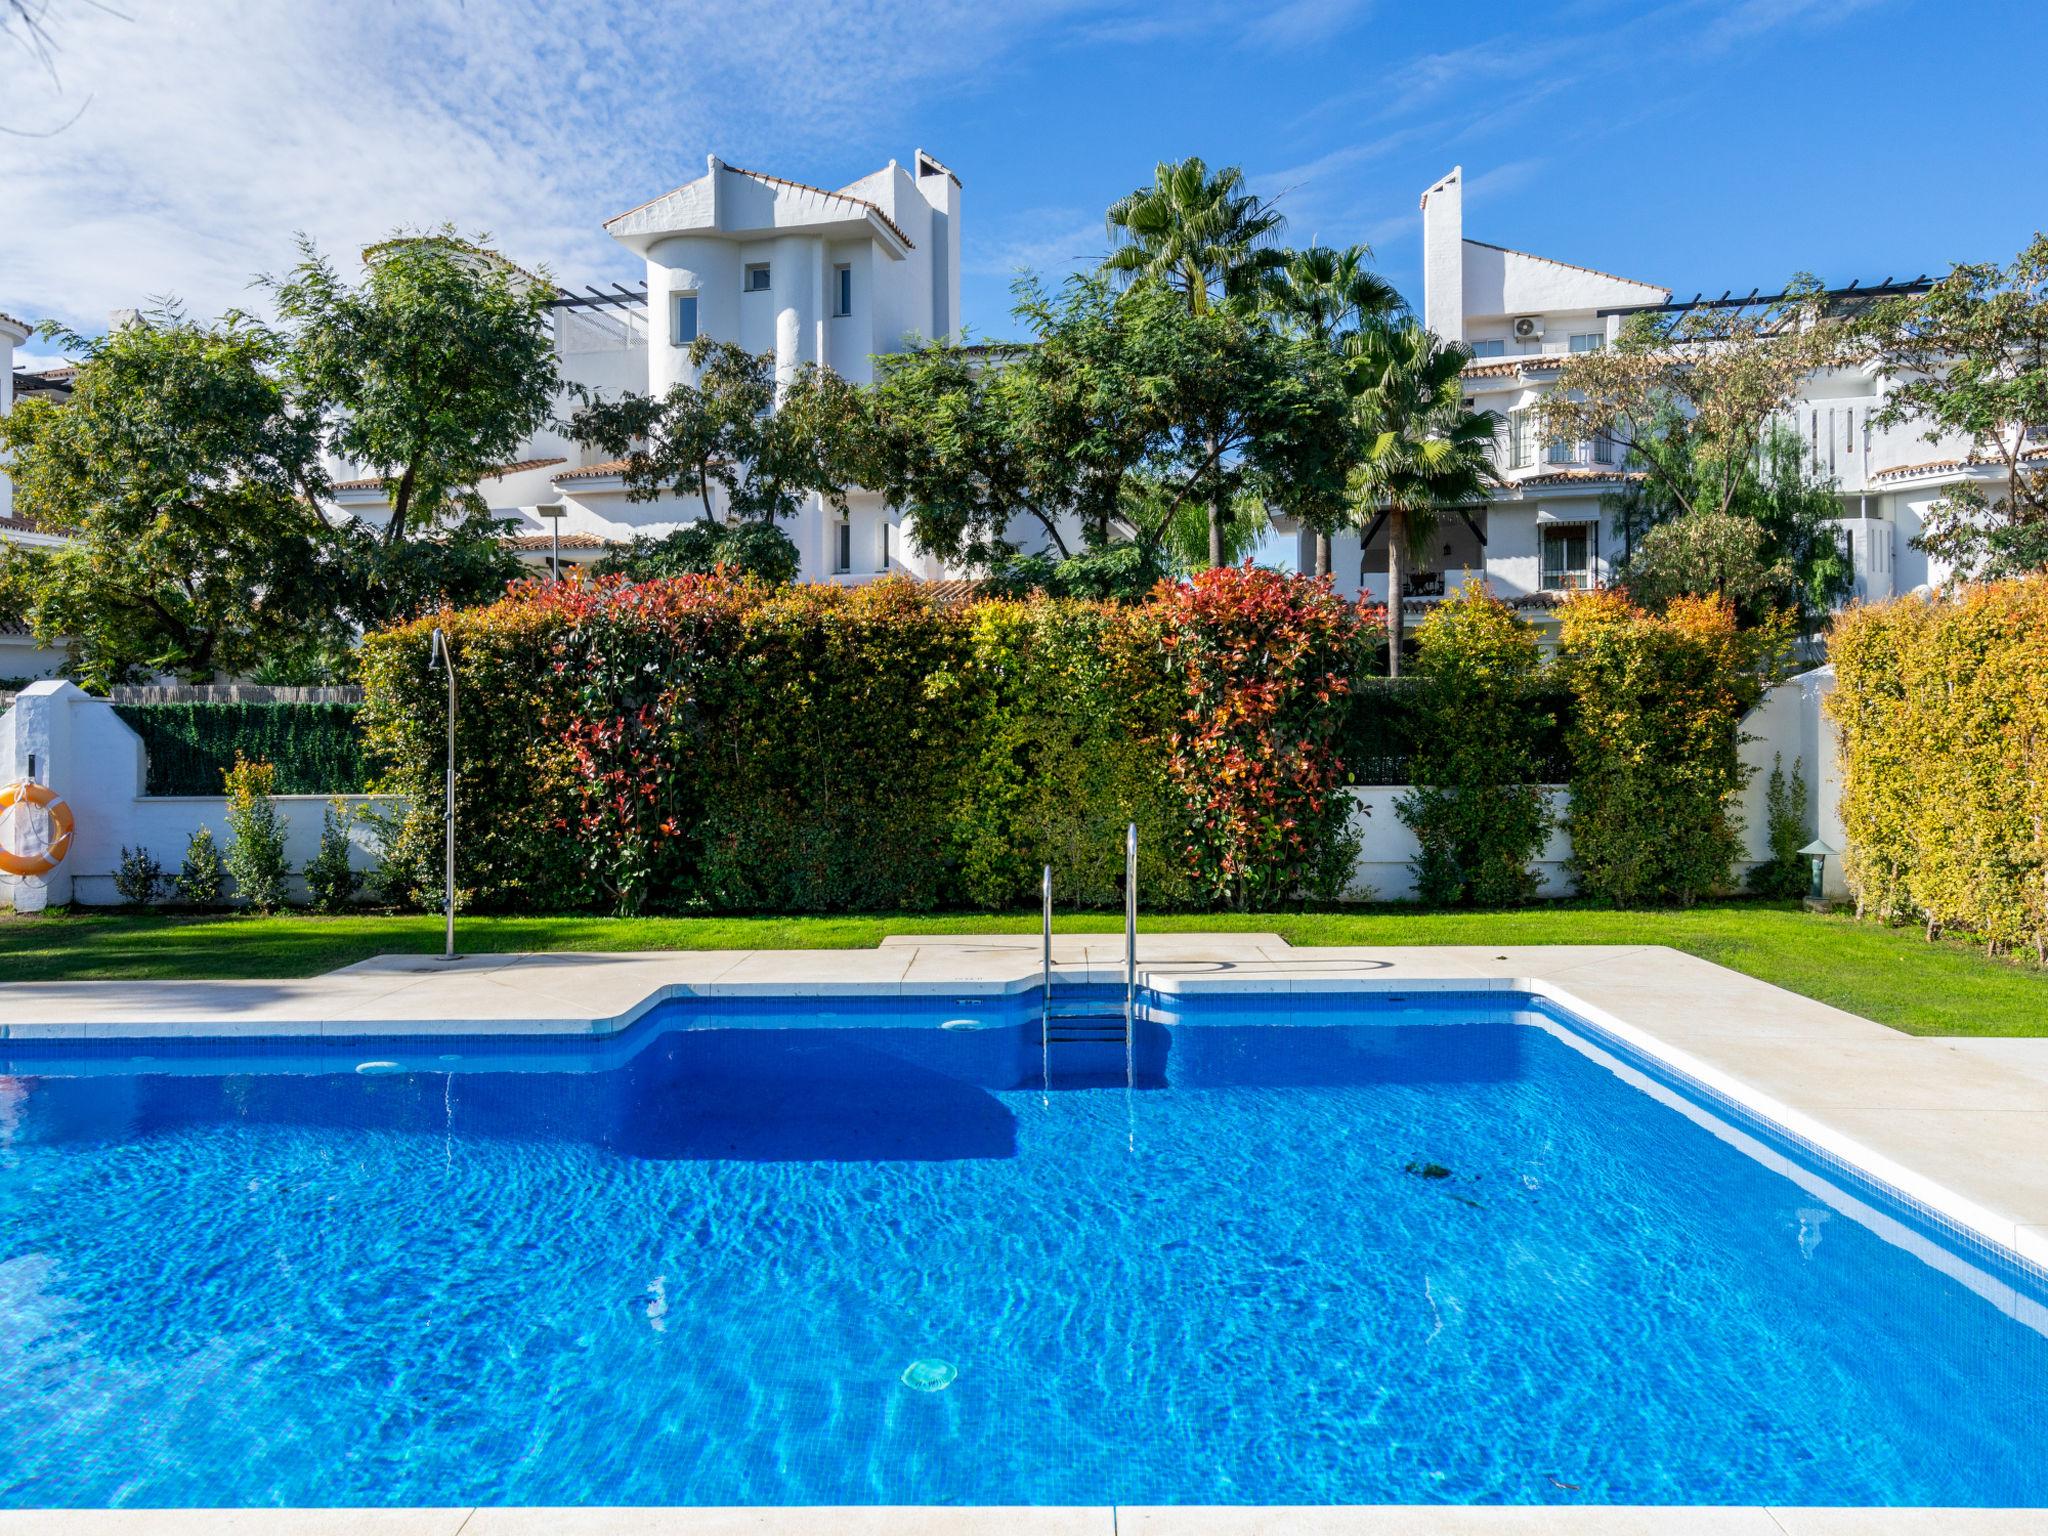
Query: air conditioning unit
x=1528 y=327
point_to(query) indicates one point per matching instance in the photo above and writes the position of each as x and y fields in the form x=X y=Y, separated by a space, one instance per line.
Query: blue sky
x=174 y=146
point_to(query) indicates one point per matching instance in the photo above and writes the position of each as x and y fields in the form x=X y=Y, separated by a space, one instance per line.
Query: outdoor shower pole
x=438 y=654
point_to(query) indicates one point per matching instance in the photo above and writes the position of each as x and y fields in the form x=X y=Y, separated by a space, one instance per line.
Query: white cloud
x=1047 y=241
x=212 y=131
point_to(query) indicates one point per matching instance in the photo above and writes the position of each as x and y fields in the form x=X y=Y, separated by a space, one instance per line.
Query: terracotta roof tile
x=951 y=594
x=542 y=543
x=603 y=471
x=1581 y=477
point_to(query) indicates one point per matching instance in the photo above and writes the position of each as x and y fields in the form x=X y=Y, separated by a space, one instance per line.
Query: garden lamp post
x=438 y=655
x=553 y=511
x=1818 y=853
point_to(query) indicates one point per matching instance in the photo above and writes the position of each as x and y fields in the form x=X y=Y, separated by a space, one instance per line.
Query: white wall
x=1383 y=872
x=95 y=762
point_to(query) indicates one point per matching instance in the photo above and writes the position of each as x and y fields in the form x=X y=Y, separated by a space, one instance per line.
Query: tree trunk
x=1397 y=550
x=1322 y=553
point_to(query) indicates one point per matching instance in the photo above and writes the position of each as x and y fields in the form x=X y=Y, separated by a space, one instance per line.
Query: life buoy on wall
x=62 y=825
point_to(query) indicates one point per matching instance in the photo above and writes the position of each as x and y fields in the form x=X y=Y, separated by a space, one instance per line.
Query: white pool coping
x=1958 y=1126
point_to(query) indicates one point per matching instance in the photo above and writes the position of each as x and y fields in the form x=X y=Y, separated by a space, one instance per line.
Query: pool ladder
x=1086 y=1022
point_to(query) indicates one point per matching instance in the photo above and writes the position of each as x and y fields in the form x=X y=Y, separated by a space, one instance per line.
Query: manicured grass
x=1891 y=975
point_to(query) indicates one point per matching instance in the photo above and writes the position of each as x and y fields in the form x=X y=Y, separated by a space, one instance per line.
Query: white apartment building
x=808 y=274
x=1547 y=532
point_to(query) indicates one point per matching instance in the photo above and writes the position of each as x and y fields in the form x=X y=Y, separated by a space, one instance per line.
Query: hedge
x=315 y=748
x=1942 y=710
x=706 y=744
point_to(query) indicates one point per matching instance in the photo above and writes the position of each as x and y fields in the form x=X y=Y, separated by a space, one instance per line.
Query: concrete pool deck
x=1959 y=1125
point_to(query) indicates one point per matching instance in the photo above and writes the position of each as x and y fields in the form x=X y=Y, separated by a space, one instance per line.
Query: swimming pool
x=1350 y=1247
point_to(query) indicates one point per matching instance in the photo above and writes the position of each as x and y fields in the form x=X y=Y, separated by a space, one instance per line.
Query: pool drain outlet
x=929 y=1375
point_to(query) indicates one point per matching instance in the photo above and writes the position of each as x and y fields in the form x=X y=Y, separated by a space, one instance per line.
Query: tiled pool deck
x=1959 y=1125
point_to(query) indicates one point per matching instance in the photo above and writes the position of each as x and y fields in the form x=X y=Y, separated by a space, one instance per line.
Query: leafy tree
x=1126 y=408
x=1203 y=237
x=1970 y=358
x=1691 y=399
x=946 y=434
x=760 y=550
x=188 y=476
x=734 y=436
x=433 y=370
x=188 y=465
x=1328 y=297
x=1422 y=451
x=1776 y=550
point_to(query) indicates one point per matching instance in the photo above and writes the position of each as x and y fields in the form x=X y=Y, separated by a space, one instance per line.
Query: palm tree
x=1198 y=233
x=1202 y=235
x=1326 y=296
x=1425 y=452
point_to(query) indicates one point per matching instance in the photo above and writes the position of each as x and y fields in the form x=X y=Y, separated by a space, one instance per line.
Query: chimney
x=1443 y=256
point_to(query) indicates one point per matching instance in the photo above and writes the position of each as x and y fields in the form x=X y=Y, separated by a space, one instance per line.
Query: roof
x=1573 y=266
x=20 y=324
x=936 y=164
x=779 y=181
x=956 y=593
x=1948 y=466
x=1580 y=477
x=603 y=471
x=376 y=482
x=1508 y=368
x=542 y=543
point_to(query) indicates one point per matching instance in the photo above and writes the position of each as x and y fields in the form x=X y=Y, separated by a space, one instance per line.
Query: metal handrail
x=1130 y=950
x=1045 y=986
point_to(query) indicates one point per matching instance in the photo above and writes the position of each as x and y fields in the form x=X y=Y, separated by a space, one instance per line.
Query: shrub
x=1477 y=809
x=331 y=881
x=1261 y=663
x=1071 y=716
x=255 y=853
x=1942 y=710
x=1655 y=740
x=203 y=875
x=753 y=549
x=1785 y=873
x=139 y=878
x=515 y=796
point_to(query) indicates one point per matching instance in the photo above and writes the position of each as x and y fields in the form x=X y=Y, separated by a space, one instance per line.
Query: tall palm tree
x=1326 y=296
x=1425 y=452
x=1199 y=233
x=1202 y=235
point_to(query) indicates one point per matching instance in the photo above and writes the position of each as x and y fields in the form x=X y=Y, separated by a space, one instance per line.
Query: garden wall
x=58 y=735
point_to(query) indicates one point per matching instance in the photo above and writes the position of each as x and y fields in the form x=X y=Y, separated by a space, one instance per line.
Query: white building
x=808 y=274
x=1547 y=532
x=20 y=656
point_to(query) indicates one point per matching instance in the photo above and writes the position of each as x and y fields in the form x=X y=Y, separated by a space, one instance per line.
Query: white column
x=794 y=277
x=1443 y=256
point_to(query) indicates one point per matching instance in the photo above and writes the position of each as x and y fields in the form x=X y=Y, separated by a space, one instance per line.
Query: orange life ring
x=62 y=825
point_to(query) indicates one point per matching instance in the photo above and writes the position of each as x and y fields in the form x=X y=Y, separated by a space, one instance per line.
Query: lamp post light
x=553 y=511
x=438 y=655
x=1818 y=853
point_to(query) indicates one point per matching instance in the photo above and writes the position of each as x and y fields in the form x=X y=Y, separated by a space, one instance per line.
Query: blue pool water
x=1351 y=1249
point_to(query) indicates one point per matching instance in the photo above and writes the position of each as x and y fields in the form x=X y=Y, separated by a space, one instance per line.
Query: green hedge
x=1943 y=713
x=316 y=748
x=1388 y=721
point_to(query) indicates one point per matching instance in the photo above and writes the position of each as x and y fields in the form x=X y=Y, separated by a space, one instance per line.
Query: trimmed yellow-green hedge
x=1943 y=714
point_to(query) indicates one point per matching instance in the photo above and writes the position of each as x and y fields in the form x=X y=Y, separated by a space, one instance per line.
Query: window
x=842 y=558
x=1499 y=424
x=1568 y=552
x=1521 y=440
x=1493 y=348
x=1561 y=452
x=842 y=290
x=683 y=318
x=888 y=543
x=1603 y=448
x=1590 y=341
x=757 y=277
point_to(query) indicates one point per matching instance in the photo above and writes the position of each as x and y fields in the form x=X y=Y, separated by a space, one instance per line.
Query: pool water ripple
x=1432 y=1256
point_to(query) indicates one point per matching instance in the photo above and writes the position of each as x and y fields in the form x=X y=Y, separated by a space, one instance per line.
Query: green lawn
x=1890 y=975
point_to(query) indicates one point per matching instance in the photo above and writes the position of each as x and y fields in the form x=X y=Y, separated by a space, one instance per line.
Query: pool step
x=1097 y=1025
